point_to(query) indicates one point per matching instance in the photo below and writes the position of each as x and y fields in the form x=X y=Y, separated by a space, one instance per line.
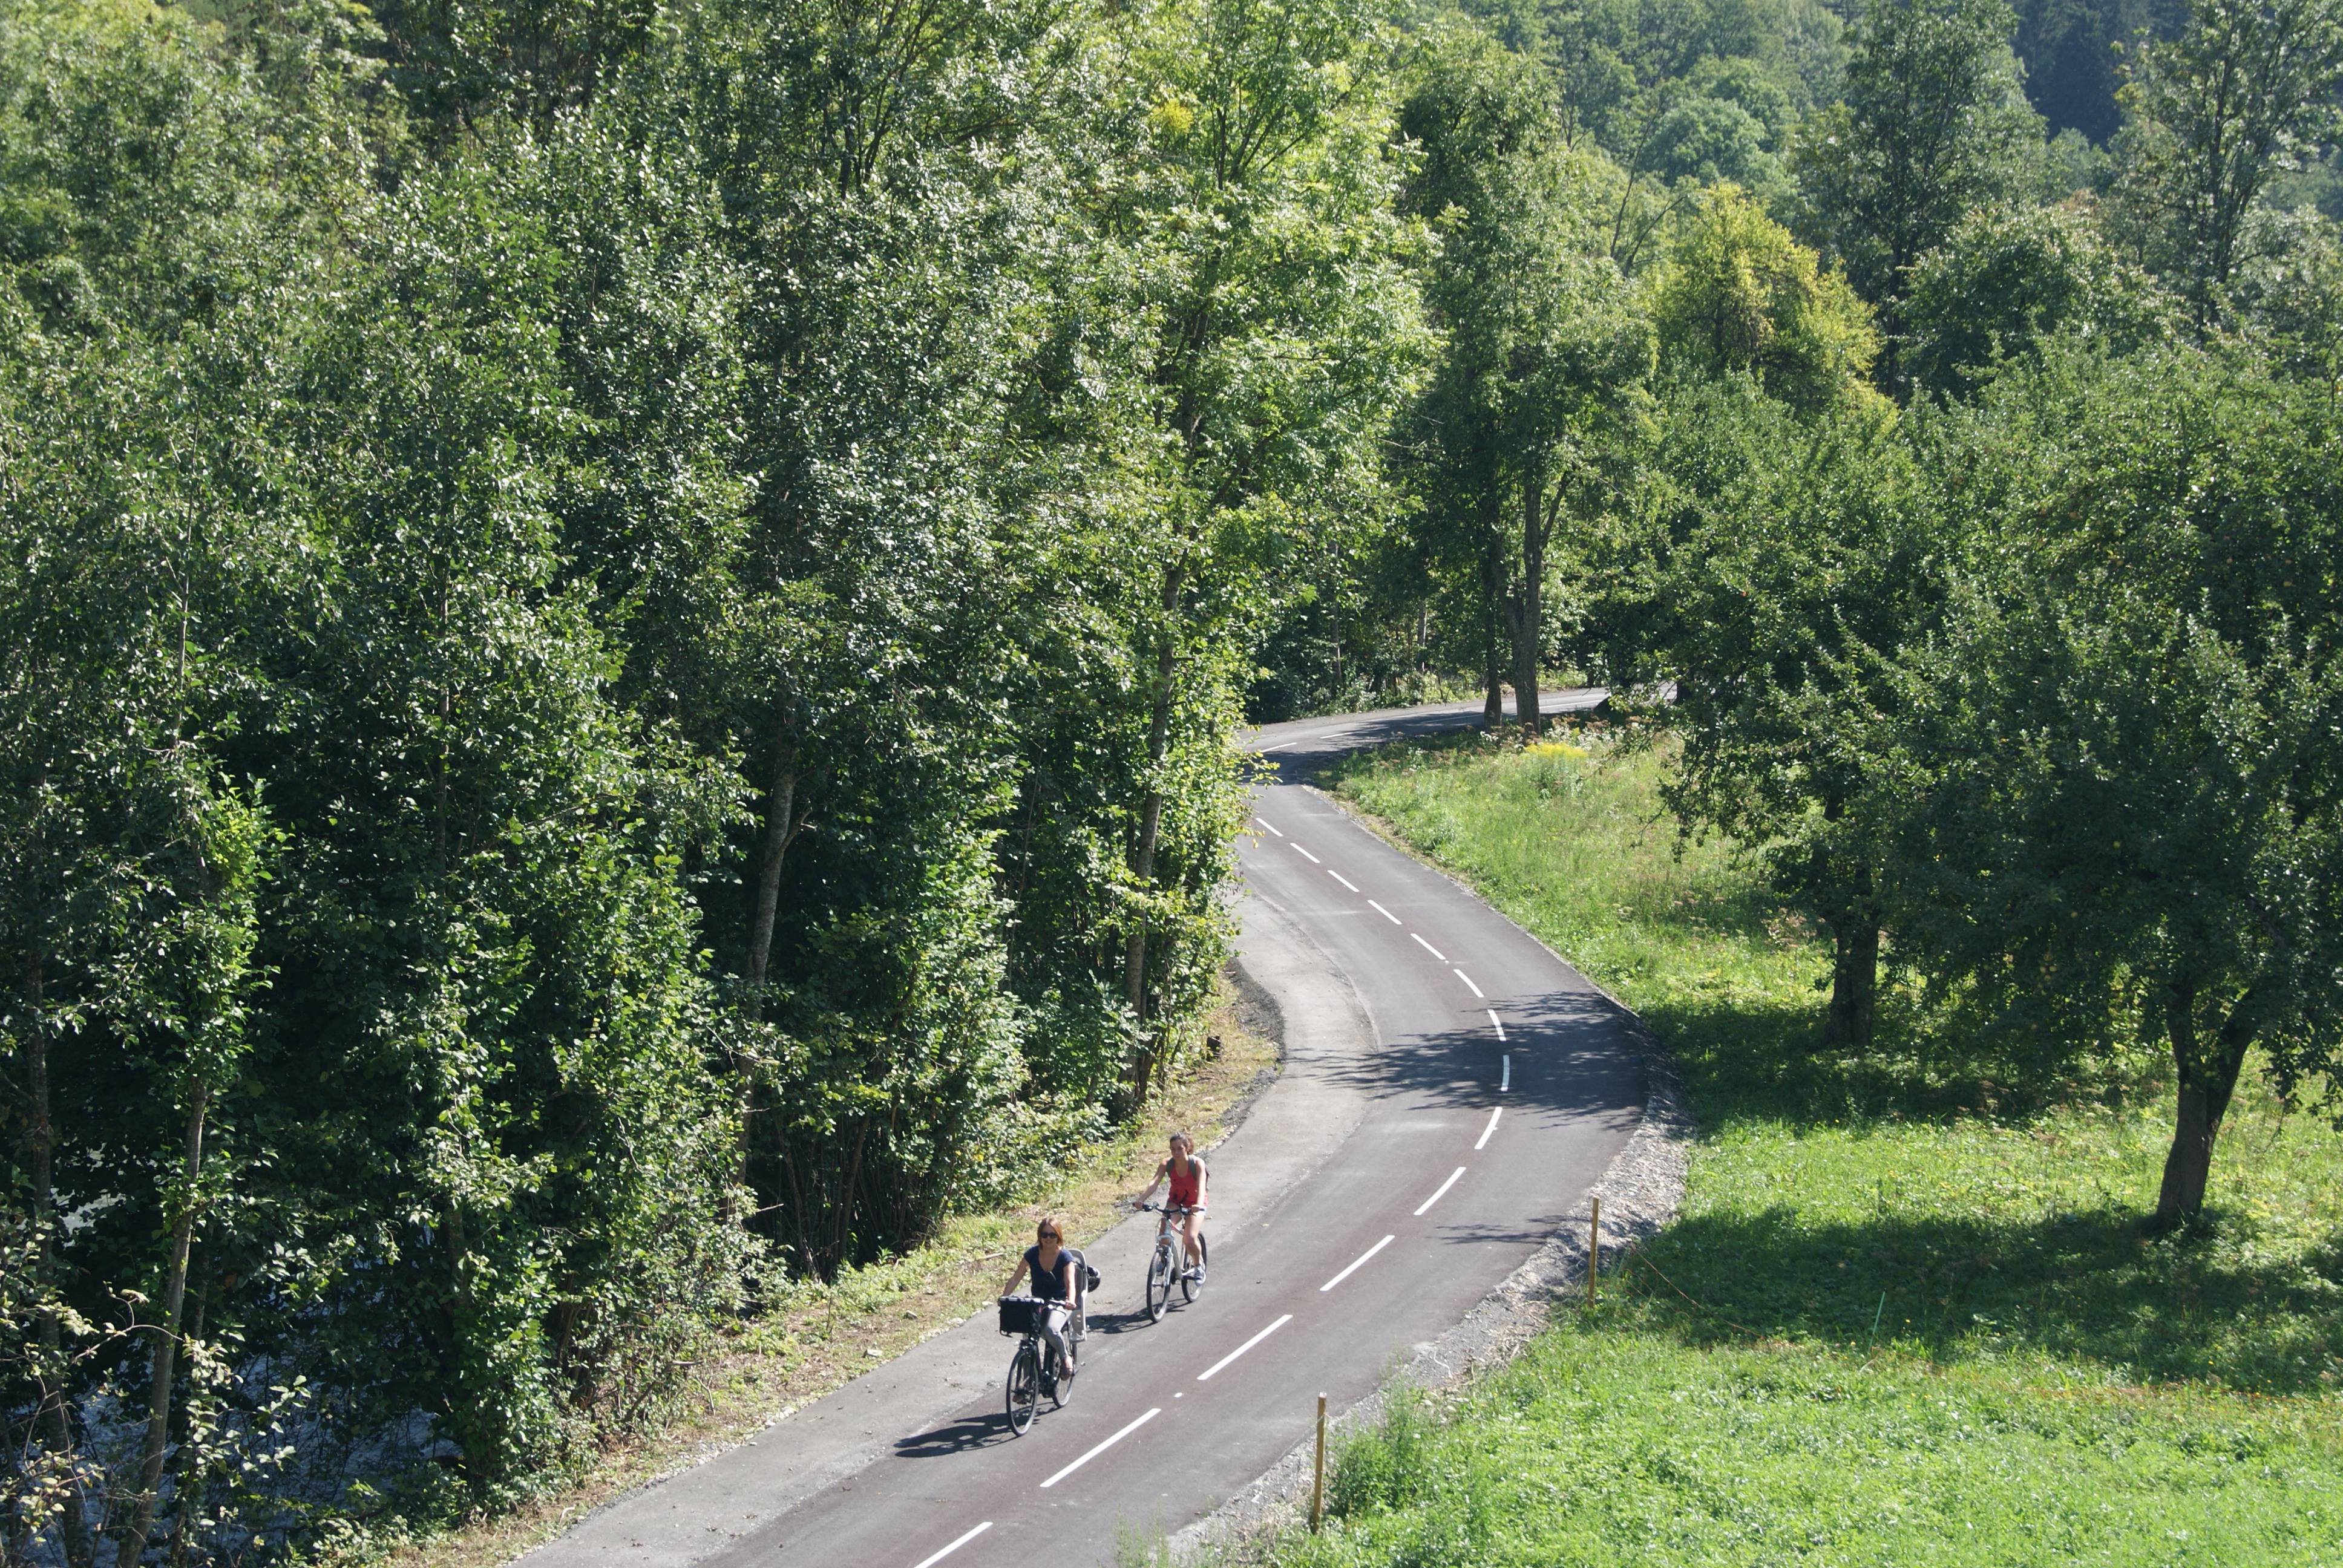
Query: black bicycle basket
x=1021 y=1314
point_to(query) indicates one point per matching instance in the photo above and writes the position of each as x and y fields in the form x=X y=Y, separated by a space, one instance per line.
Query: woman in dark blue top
x=1056 y=1271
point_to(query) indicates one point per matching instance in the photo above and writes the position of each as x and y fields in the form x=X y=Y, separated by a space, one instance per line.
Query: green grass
x=1907 y=1315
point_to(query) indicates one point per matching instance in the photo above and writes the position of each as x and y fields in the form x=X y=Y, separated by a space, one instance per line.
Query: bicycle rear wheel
x=1024 y=1388
x=1159 y=1281
x=1062 y=1380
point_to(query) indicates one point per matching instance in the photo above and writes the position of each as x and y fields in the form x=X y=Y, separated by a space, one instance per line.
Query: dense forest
x=624 y=621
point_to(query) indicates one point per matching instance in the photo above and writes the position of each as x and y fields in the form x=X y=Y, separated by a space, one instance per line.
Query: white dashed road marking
x=1499 y=1023
x=1280 y=835
x=1459 y=974
x=1240 y=1349
x=1383 y=912
x=1362 y=1258
x=1436 y=1197
x=1427 y=947
x=1342 y=879
x=1102 y=1447
x=1495 y=1112
x=1307 y=856
x=931 y=1562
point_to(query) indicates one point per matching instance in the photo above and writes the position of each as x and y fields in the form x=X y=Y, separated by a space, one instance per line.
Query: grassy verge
x=1907 y=1316
x=826 y=1335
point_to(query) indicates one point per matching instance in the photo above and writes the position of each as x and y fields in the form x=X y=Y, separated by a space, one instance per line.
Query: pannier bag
x=1021 y=1314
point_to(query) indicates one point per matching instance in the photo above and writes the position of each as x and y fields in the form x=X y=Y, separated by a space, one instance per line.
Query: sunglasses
x=1050 y=1236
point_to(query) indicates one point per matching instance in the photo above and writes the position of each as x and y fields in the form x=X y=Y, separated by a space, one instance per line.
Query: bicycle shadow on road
x=964 y=1434
x=1113 y=1323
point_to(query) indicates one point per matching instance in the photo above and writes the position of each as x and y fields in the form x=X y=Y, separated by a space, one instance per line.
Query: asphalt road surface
x=1451 y=1091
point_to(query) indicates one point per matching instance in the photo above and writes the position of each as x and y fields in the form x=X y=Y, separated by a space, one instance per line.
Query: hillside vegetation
x=621 y=624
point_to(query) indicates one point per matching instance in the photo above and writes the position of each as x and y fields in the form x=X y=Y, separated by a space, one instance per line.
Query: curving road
x=1451 y=1091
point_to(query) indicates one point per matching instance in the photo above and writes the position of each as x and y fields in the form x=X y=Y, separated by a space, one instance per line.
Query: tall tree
x=1286 y=330
x=2212 y=117
x=1798 y=559
x=1545 y=353
x=189 y=998
x=1932 y=127
x=2126 y=785
x=2005 y=283
x=1738 y=293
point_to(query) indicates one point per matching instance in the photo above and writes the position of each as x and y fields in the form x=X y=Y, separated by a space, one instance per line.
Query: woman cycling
x=1056 y=1273
x=1186 y=1173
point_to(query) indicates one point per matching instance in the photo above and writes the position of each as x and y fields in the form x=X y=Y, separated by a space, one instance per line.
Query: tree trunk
x=190 y=1498
x=1855 y=983
x=2206 y=1079
x=841 y=1232
x=1152 y=1066
x=1492 y=673
x=1493 y=594
x=1525 y=606
x=782 y=826
x=1334 y=624
x=1151 y=810
x=133 y=1540
x=40 y=1138
x=1526 y=672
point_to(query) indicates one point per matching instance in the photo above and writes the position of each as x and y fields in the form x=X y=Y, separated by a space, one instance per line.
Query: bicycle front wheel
x=1159 y=1283
x=1024 y=1388
x=1190 y=1286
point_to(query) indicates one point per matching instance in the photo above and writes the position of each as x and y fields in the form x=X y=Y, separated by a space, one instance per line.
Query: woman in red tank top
x=1189 y=1189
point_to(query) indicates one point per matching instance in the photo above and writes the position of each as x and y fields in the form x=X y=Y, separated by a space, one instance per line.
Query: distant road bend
x=1451 y=1091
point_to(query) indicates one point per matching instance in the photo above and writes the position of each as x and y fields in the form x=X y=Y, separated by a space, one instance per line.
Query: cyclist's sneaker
x=1196 y=1274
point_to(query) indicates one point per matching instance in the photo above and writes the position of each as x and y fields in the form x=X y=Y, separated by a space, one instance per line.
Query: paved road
x=1451 y=1091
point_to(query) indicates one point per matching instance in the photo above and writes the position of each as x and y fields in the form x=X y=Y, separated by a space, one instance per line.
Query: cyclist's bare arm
x=1010 y=1288
x=1162 y=1171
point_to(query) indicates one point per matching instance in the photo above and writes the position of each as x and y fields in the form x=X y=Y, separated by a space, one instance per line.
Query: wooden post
x=1318 y=1486
x=1594 y=1249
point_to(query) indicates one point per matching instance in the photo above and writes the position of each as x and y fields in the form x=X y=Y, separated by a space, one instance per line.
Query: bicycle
x=1167 y=1265
x=1036 y=1369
